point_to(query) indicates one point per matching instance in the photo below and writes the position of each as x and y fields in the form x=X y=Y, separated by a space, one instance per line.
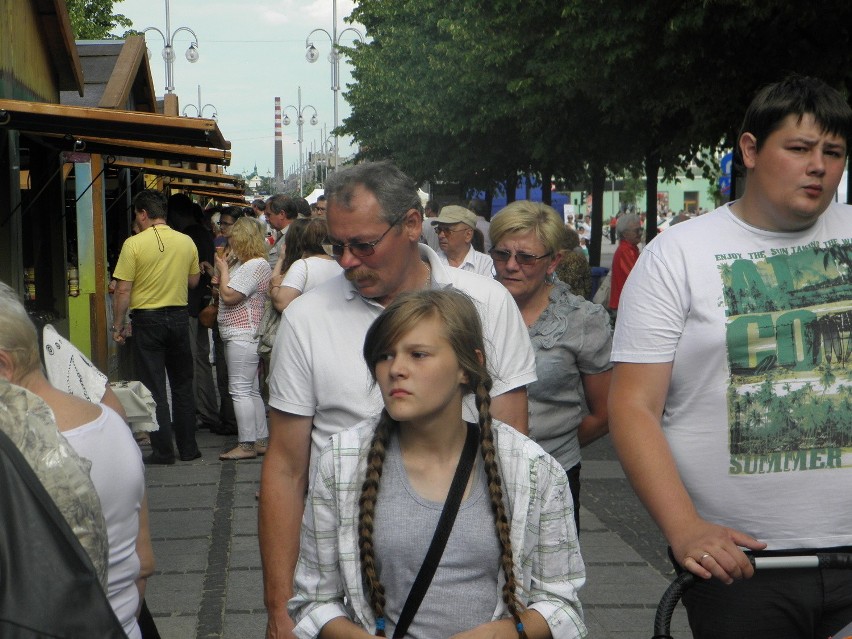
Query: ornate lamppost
x=169 y=52
x=312 y=55
x=199 y=109
x=300 y=121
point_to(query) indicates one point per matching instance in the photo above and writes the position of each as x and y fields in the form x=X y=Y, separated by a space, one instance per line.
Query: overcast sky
x=250 y=52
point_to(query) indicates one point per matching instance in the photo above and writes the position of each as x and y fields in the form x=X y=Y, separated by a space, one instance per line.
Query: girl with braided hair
x=511 y=566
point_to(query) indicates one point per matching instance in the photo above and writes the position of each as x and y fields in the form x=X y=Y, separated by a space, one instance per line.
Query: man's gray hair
x=395 y=191
x=625 y=222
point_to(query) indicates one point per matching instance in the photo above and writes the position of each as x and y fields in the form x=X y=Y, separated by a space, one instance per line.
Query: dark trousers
x=794 y=604
x=227 y=417
x=205 y=393
x=161 y=347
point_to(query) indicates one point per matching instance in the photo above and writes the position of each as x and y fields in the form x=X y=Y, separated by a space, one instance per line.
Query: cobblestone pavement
x=208 y=582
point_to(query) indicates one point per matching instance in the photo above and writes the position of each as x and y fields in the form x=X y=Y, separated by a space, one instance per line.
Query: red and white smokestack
x=279 y=143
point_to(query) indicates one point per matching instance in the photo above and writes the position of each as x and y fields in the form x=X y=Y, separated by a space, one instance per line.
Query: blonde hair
x=246 y=240
x=18 y=336
x=463 y=330
x=523 y=216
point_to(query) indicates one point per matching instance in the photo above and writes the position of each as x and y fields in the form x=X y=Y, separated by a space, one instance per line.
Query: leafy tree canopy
x=94 y=19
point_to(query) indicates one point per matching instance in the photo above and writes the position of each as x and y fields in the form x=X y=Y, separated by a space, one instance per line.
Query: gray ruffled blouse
x=29 y=423
x=571 y=337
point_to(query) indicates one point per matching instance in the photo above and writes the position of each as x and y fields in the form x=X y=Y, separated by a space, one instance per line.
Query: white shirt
x=119 y=478
x=309 y=272
x=752 y=322
x=318 y=370
x=485 y=226
x=474 y=261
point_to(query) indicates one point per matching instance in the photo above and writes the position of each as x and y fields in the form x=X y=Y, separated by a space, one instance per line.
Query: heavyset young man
x=730 y=399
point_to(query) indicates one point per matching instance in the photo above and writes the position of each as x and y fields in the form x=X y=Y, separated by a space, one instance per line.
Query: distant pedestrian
x=483 y=219
x=242 y=289
x=629 y=230
x=455 y=227
x=154 y=272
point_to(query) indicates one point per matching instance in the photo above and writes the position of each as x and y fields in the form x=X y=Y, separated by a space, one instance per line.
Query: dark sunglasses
x=358 y=249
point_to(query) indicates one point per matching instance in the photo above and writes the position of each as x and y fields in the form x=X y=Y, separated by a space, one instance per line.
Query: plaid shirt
x=546 y=552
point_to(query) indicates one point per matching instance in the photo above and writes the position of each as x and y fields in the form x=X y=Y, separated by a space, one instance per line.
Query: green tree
x=94 y=19
x=481 y=93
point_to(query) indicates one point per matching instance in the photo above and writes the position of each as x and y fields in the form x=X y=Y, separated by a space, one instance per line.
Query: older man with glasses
x=455 y=226
x=319 y=383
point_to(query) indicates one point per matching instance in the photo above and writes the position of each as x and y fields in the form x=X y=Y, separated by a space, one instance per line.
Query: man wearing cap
x=455 y=226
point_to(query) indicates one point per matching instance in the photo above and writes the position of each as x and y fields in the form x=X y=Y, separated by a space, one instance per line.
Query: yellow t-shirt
x=158 y=261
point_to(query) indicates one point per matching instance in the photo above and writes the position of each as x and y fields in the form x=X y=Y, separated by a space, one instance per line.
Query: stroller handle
x=685 y=580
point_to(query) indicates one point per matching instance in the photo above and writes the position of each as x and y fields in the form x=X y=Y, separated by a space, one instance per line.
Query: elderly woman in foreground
x=99 y=434
x=570 y=335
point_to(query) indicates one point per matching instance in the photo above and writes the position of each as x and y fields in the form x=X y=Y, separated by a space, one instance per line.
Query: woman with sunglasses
x=570 y=335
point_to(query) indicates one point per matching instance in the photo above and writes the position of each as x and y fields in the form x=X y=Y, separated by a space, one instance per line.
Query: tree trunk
x=511 y=187
x=598 y=186
x=652 y=169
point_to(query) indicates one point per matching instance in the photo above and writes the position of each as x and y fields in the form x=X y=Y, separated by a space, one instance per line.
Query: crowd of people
x=421 y=389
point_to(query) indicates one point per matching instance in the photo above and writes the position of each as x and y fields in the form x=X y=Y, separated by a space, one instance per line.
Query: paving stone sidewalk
x=208 y=582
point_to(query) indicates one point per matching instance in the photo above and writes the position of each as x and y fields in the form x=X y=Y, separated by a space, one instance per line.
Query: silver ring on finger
x=704 y=556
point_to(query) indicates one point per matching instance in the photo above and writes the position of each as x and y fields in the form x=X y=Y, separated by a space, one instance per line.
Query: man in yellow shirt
x=155 y=269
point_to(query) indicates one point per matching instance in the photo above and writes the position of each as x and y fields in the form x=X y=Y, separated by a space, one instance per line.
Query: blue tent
x=521 y=193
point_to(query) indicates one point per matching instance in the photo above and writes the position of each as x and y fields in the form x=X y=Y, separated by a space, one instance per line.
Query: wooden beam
x=124 y=75
x=176 y=171
x=76 y=121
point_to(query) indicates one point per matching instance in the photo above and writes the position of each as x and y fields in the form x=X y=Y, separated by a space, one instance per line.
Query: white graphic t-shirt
x=758 y=325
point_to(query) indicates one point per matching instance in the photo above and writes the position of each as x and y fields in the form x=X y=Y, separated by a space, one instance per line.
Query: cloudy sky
x=250 y=52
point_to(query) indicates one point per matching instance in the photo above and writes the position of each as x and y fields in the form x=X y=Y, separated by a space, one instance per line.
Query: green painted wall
x=79 y=308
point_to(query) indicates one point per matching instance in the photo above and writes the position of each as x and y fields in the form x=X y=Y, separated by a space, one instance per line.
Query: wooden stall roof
x=42 y=117
x=59 y=39
x=208 y=188
x=131 y=77
x=178 y=172
x=117 y=76
x=217 y=196
x=136 y=149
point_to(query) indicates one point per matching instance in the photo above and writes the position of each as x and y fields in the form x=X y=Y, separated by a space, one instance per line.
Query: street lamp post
x=327 y=144
x=199 y=110
x=300 y=122
x=312 y=55
x=169 y=50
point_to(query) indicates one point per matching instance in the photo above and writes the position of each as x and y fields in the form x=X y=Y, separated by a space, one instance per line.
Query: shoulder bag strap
x=442 y=533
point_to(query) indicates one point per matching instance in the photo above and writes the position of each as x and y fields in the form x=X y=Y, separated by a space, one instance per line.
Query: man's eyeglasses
x=225 y=223
x=446 y=230
x=358 y=249
x=524 y=259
